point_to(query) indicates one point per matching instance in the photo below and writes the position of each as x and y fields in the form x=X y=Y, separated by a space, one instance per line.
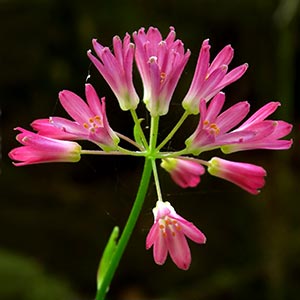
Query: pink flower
x=90 y=120
x=213 y=129
x=209 y=79
x=247 y=176
x=116 y=69
x=39 y=149
x=185 y=173
x=268 y=133
x=168 y=234
x=160 y=63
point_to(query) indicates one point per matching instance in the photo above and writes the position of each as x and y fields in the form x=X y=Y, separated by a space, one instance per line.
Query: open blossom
x=168 y=235
x=186 y=173
x=213 y=129
x=160 y=64
x=90 y=120
x=247 y=176
x=268 y=133
x=39 y=149
x=209 y=79
x=116 y=69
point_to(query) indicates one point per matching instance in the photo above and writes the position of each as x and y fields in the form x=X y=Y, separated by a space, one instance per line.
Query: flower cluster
x=160 y=63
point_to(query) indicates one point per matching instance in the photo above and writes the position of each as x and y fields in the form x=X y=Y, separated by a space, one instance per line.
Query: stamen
x=93 y=123
x=163 y=76
x=214 y=129
x=98 y=119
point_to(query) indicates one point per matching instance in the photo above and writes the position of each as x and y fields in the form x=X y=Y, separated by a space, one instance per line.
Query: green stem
x=129 y=140
x=121 y=151
x=132 y=219
x=156 y=180
x=172 y=154
x=153 y=134
x=174 y=130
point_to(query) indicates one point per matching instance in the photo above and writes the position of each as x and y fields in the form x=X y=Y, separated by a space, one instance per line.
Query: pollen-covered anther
x=93 y=123
x=214 y=129
x=176 y=225
x=162 y=227
x=162 y=77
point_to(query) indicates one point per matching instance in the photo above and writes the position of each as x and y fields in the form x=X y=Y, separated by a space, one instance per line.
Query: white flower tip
x=152 y=59
x=224 y=68
x=116 y=37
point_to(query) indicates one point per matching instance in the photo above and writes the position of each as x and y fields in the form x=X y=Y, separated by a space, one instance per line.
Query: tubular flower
x=267 y=132
x=168 y=234
x=90 y=120
x=209 y=79
x=160 y=64
x=116 y=69
x=185 y=173
x=39 y=149
x=247 y=176
x=213 y=129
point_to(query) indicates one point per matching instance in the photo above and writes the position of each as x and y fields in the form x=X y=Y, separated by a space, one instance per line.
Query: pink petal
x=179 y=249
x=215 y=107
x=224 y=57
x=261 y=114
x=232 y=116
x=160 y=249
x=75 y=106
x=93 y=100
x=233 y=76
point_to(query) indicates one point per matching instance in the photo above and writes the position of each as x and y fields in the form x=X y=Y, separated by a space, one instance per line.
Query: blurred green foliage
x=23 y=278
x=61 y=215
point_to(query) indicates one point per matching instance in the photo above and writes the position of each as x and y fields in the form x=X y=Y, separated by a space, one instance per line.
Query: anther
x=162 y=77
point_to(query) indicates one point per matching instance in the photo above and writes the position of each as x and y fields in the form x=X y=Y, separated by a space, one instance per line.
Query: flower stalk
x=125 y=236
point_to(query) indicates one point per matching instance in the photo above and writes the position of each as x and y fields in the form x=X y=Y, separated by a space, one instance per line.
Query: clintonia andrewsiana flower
x=168 y=235
x=209 y=79
x=38 y=149
x=90 y=120
x=116 y=69
x=160 y=63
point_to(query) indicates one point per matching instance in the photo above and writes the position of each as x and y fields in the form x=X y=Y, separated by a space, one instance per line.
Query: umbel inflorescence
x=160 y=63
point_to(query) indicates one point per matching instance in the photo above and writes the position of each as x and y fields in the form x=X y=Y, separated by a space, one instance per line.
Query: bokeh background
x=55 y=219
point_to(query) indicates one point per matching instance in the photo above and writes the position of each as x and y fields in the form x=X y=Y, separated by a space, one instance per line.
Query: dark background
x=55 y=219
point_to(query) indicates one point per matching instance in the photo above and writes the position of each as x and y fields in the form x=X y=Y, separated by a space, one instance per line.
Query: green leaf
x=107 y=256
